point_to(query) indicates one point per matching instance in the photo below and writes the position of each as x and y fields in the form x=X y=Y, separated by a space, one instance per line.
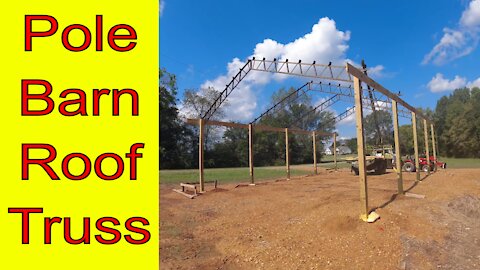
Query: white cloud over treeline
x=458 y=41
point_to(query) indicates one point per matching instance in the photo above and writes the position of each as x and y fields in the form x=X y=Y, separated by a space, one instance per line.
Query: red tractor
x=409 y=164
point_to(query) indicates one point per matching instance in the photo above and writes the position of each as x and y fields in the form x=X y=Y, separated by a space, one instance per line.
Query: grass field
x=240 y=174
x=453 y=163
x=226 y=175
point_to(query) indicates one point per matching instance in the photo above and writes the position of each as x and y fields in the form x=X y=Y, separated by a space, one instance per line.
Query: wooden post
x=250 y=153
x=200 y=154
x=287 y=154
x=364 y=211
x=398 y=156
x=335 y=149
x=314 y=140
x=434 y=147
x=415 y=145
x=427 y=151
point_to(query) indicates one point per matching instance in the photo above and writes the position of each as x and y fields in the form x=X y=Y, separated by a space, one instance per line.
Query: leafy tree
x=457 y=121
x=295 y=112
x=352 y=144
x=385 y=124
x=175 y=139
x=195 y=105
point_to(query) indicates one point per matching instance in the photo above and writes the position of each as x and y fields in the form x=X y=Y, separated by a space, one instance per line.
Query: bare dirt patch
x=312 y=223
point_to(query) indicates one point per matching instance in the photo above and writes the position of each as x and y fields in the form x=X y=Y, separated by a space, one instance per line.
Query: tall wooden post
x=398 y=155
x=427 y=151
x=287 y=154
x=250 y=153
x=364 y=211
x=335 y=149
x=434 y=148
x=415 y=145
x=200 y=154
x=314 y=141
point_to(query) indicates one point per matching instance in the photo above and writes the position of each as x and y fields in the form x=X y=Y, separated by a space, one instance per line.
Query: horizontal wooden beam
x=268 y=128
x=364 y=78
x=191 y=121
x=217 y=123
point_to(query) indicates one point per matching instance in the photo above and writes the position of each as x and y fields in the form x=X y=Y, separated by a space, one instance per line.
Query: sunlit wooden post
x=427 y=151
x=415 y=145
x=250 y=153
x=287 y=154
x=314 y=141
x=434 y=148
x=398 y=156
x=335 y=149
x=200 y=154
x=364 y=211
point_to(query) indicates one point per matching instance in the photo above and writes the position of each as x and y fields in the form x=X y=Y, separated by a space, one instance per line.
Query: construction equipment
x=377 y=165
x=381 y=156
x=409 y=164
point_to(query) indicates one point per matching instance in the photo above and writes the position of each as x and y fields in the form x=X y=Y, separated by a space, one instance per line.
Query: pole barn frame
x=434 y=148
x=415 y=146
x=398 y=155
x=347 y=73
x=251 y=130
x=427 y=151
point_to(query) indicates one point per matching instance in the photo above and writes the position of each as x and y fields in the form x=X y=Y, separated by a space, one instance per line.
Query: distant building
x=344 y=150
x=341 y=150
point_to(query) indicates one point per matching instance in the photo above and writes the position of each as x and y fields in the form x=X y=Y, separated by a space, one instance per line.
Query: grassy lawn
x=326 y=158
x=453 y=163
x=226 y=175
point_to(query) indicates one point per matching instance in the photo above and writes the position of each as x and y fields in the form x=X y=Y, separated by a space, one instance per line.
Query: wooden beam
x=415 y=145
x=216 y=123
x=250 y=153
x=268 y=128
x=299 y=131
x=434 y=147
x=364 y=78
x=323 y=133
x=364 y=211
x=427 y=151
x=398 y=155
x=314 y=141
x=192 y=121
x=287 y=154
x=335 y=149
x=201 y=154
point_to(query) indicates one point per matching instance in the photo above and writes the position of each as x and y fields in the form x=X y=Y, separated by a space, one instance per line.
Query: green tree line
x=456 y=118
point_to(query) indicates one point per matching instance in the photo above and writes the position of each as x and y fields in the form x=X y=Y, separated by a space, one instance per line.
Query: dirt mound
x=468 y=205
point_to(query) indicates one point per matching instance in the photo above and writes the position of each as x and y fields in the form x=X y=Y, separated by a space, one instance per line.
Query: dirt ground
x=313 y=223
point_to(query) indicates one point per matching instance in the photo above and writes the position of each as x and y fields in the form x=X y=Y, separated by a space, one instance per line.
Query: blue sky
x=424 y=49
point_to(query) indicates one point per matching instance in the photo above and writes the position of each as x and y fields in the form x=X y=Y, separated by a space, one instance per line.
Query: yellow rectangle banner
x=79 y=135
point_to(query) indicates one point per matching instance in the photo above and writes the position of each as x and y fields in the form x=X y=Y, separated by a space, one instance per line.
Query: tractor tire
x=425 y=168
x=355 y=170
x=408 y=167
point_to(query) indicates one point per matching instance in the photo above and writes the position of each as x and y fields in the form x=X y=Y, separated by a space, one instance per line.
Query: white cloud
x=323 y=44
x=440 y=84
x=475 y=83
x=461 y=40
x=161 y=7
x=349 y=120
x=471 y=16
x=376 y=71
